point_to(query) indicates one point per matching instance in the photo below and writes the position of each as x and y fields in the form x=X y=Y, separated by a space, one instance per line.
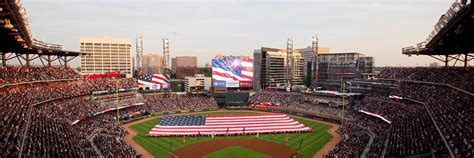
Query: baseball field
x=266 y=145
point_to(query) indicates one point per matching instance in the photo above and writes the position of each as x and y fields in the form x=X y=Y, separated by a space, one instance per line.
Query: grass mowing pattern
x=236 y=151
x=162 y=146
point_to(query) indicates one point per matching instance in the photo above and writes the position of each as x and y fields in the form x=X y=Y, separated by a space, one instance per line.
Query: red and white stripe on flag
x=235 y=124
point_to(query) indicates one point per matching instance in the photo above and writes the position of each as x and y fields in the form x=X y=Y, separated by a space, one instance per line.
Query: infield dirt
x=266 y=147
x=323 y=151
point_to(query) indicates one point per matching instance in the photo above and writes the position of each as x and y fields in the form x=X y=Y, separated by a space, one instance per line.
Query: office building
x=308 y=54
x=270 y=68
x=153 y=64
x=184 y=66
x=346 y=66
x=105 y=54
x=197 y=83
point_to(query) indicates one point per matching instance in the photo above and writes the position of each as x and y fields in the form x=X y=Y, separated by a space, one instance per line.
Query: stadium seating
x=53 y=105
x=296 y=100
x=14 y=74
x=412 y=131
x=457 y=76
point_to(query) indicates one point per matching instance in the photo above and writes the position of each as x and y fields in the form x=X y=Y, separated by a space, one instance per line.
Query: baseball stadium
x=277 y=103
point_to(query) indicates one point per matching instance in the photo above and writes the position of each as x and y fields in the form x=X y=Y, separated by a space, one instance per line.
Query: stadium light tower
x=315 y=62
x=166 y=54
x=139 y=44
x=289 y=63
x=166 y=61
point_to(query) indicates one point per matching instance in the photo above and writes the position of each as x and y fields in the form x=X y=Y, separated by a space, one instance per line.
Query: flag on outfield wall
x=154 y=81
x=395 y=97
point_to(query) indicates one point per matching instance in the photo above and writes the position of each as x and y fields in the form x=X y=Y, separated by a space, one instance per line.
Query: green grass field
x=236 y=152
x=162 y=146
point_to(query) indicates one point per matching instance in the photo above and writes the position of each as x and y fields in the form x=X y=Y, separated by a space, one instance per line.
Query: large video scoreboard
x=232 y=72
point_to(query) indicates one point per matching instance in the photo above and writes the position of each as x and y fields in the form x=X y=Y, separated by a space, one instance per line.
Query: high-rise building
x=270 y=68
x=308 y=54
x=184 y=66
x=105 y=54
x=153 y=63
x=334 y=67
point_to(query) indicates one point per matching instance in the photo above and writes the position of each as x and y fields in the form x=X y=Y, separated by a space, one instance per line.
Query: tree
x=207 y=71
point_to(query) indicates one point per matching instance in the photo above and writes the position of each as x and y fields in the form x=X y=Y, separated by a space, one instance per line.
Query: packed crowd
x=113 y=146
x=410 y=132
x=52 y=106
x=15 y=74
x=413 y=129
x=451 y=109
x=179 y=102
x=17 y=101
x=460 y=77
x=353 y=141
x=297 y=100
x=109 y=140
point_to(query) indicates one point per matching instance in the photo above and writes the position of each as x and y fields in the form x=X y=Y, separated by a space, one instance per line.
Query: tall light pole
x=139 y=47
x=315 y=62
x=166 y=61
x=289 y=62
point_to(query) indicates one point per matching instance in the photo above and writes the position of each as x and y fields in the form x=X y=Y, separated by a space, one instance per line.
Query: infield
x=236 y=151
x=311 y=142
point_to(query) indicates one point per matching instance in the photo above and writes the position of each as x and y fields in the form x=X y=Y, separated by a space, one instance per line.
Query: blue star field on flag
x=183 y=121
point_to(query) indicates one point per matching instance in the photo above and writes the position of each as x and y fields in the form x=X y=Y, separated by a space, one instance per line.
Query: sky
x=203 y=28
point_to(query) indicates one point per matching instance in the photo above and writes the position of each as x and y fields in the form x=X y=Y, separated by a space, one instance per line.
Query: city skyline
x=206 y=28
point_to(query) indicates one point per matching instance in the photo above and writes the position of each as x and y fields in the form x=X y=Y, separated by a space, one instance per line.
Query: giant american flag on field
x=232 y=71
x=154 y=81
x=226 y=125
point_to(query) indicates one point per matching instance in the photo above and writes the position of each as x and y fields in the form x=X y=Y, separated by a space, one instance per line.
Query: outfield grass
x=236 y=151
x=162 y=146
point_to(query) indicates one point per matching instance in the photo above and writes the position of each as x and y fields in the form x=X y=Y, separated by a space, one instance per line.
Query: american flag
x=152 y=79
x=232 y=69
x=226 y=124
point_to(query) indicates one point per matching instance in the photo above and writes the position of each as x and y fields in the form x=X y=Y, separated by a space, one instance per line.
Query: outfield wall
x=231 y=98
x=301 y=113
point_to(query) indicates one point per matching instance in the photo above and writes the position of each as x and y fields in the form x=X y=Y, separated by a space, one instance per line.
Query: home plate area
x=238 y=124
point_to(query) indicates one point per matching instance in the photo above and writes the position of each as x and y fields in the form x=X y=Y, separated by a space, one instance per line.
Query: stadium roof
x=16 y=40
x=14 y=28
x=453 y=34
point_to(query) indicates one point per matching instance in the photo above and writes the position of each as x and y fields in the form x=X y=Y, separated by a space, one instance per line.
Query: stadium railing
x=435 y=123
x=32 y=82
x=91 y=137
x=432 y=83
